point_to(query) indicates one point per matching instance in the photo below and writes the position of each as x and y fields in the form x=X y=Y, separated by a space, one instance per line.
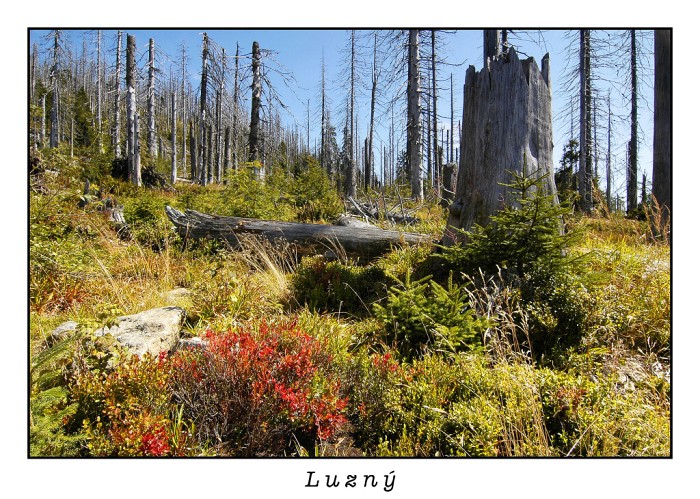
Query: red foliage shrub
x=251 y=390
x=126 y=412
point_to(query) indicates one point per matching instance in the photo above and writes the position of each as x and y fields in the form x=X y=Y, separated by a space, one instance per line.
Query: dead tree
x=634 y=125
x=173 y=168
x=363 y=243
x=254 y=137
x=117 y=99
x=132 y=119
x=661 y=174
x=201 y=166
x=507 y=118
x=415 y=124
x=151 y=98
x=53 y=138
x=585 y=163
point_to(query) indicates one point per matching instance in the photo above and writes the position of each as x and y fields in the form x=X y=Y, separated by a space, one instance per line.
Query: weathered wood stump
x=357 y=242
x=507 y=117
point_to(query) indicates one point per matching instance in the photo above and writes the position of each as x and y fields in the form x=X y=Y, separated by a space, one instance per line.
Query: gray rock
x=152 y=331
x=192 y=343
x=62 y=332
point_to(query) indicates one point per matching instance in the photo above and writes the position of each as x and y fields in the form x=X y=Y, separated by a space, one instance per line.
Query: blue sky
x=299 y=51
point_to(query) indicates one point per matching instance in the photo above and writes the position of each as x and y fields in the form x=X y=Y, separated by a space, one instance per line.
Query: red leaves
x=277 y=378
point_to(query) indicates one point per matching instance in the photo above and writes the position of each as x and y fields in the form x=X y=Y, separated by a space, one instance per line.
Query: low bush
x=335 y=287
x=128 y=412
x=147 y=221
x=465 y=407
x=258 y=392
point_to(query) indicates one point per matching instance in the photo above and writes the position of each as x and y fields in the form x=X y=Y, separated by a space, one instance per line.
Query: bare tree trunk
x=53 y=140
x=585 y=180
x=350 y=167
x=184 y=109
x=173 y=167
x=219 y=117
x=415 y=125
x=99 y=90
x=227 y=151
x=634 y=124
x=254 y=139
x=507 y=117
x=373 y=101
x=151 y=97
x=133 y=150
x=137 y=151
x=492 y=46
x=210 y=155
x=608 y=166
x=117 y=98
x=42 y=137
x=201 y=166
x=193 y=154
x=661 y=175
x=437 y=158
x=451 y=136
x=235 y=112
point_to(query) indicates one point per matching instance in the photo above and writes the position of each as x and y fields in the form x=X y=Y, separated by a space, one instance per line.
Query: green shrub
x=315 y=198
x=147 y=221
x=335 y=287
x=558 y=307
x=522 y=238
x=421 y=316
x=466 y=407
x=371 y=384
x=602 y=418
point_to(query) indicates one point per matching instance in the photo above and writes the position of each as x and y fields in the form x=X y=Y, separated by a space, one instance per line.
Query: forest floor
x=409 y=355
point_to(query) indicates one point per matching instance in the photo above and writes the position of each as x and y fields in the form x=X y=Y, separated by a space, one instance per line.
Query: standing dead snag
x=507 y=116
x=254 y=152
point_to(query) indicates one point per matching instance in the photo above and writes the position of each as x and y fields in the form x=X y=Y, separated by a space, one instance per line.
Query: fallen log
x=363 y=243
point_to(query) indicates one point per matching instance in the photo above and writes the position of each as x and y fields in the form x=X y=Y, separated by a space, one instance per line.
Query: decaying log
x=373 y=213
x=364 y=243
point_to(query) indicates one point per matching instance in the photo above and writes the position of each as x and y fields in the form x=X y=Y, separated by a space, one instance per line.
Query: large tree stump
x=507 y=116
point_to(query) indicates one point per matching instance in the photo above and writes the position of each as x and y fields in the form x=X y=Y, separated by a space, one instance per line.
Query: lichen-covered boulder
x=151 y=331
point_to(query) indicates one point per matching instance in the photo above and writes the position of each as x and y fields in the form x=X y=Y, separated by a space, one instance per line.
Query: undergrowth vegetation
x=545 y=333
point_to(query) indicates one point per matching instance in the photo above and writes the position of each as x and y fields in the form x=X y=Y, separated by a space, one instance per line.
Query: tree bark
x=99 y=90
x=173 y=167
x=437 y=159
x=632 y=168
x=608 y=165
x=235 y=112
x=117 y=99
x=53 y=139
x=193 y=154
x=585 y=176
x=363 y=243
x=151 y=99
x=131 y=114
x=350 y=167
x=661 y=173
x=507 y=117
x=254 y=142
x=201 y=165
x=492 y=46
x=415 y=124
